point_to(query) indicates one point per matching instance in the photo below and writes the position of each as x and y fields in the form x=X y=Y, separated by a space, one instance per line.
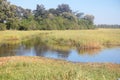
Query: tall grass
x=84 y=38
x=10 y=36
x=37 y=68
x=79 y=38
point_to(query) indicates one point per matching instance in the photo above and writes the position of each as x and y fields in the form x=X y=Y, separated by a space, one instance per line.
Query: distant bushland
x=114 y=26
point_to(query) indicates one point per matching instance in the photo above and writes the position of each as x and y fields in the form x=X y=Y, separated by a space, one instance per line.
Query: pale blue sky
x=105 y=11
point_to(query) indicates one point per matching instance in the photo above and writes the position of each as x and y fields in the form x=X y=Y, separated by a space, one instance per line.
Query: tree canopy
x=17 y=18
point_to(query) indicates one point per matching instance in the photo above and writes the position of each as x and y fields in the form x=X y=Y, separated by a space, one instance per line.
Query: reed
x=12 y=37
x=84 y=38
x=78 y=38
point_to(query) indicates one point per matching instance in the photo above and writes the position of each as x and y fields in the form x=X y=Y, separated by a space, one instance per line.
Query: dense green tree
x=2 y=26
x=17 y=18
x=69 y=16
x=28 y=24
x=12 y=23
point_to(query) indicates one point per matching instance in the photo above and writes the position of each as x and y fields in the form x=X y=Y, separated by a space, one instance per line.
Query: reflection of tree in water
x=32 y=42
x=88 y=51
x=62 y=54
x=42 y=49
x=8 y=50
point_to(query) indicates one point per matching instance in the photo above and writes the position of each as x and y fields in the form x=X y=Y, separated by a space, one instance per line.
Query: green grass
x=10 y=36
x=84 y=38
x=37 y=68
x=79 y=38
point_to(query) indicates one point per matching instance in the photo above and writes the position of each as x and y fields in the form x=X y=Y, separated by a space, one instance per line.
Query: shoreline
x=81 y=39
x=39 y=68
x=32 y=58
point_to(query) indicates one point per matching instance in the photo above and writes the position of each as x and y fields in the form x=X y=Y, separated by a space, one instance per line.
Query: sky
x=105 y=11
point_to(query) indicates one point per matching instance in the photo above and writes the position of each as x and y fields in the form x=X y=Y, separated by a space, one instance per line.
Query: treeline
x=14 y=17
x=115 y=26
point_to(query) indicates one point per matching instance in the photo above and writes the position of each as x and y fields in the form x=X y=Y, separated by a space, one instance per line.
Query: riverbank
x=87 y=39
x=39 y=68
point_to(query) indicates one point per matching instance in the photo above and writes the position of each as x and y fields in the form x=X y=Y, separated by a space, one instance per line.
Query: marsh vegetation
x=71 y=45
x=98 y=38
x=13 y=68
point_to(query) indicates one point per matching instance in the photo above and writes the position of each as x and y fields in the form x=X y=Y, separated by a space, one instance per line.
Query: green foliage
x=12 y=23
x=28 y=25
x=61 y=18
x=2 y=26
x=58 y=23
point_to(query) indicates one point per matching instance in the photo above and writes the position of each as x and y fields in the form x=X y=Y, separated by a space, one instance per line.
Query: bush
x=2 y=26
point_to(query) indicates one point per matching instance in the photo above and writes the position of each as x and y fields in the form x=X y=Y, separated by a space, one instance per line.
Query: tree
x=90 y=18
x=13 y=23
x=79 y=15
x=53 y=11
x=70 y=16
x=62 y=17
x=2 y=26
x=64 y=8
x=5 y=11
x=40 y=11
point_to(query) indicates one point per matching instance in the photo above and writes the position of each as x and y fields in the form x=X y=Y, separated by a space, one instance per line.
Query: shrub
x=2 y=26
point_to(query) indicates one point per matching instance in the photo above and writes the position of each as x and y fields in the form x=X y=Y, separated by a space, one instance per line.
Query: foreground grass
x=38 y=68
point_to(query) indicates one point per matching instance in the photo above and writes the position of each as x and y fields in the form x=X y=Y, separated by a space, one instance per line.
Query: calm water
x=110 y=55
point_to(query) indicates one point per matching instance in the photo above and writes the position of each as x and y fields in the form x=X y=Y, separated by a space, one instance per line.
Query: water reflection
x=8 y=50
x=36 y=47
x=88 y=51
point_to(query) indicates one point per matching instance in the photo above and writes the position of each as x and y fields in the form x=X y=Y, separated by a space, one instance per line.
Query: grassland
x=79 y=38
x=10 y=36
x=88 y=39
x=38 y=68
